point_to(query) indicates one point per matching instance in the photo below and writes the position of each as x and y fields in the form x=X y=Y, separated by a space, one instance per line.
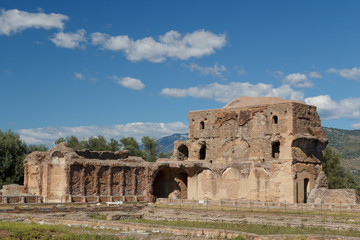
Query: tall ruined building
x=252 y=149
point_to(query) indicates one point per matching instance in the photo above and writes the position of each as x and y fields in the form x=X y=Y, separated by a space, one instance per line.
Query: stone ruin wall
x=265 y=152
x=64 y=174
x=243 y=162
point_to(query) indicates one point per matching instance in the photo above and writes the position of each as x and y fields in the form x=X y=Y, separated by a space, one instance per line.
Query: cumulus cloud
x=215 y=71
x=298 y=80
x=70 y=40
x=14 y=20
x=137 y=130
x=356 y=126
x=314 y=75
x=352 y=74
x=226 y=92
x=330 y=109
x=170 y=45
x=129 y=82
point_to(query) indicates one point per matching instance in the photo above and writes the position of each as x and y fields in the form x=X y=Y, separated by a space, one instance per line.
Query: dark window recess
x=275 y=150
x=183 y=149
x=306 y=186
x=275 y=119
x=202 y=154
x=202 y=125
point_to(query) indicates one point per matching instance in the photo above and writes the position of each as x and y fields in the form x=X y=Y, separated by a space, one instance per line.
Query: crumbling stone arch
x=56 y=177
x=170 y=183
x=275 y=149
x=183 y=152
x=304 y=182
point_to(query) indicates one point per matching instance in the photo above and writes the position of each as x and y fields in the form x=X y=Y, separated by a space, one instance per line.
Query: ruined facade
x=252 y=149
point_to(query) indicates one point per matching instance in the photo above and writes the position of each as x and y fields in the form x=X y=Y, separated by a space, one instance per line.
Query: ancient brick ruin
x=254 y=149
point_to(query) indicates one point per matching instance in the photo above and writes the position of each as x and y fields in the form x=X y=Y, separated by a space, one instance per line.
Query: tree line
x=99 y=143
x=13 y=152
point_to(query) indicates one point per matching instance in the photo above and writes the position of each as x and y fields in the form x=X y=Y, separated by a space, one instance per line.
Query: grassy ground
x=30 y=231
x=260 y=229
x=312 y=212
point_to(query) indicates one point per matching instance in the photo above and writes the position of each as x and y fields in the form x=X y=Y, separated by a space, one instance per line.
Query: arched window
x=202 y=125
x=275 y=119
x=184 y=151
x=202 y=153
x=276 y=149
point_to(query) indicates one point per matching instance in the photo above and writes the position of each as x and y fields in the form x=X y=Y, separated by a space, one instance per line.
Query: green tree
x=60 y=140
x=74 y=142
x=130 y=144
x=97 y=143
x=336 y=175
x=41 y=148
x=149 y=145
x=12 y=154
x=113 y=145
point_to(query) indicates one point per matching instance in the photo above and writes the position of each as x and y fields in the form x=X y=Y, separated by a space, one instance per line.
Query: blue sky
x=135 y=68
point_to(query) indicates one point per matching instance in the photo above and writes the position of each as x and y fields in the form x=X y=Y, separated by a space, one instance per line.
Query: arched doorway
x=170 y=183
x=202 y=153
x=56 y=179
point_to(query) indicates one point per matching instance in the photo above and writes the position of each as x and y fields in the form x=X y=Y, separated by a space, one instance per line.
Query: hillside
x=346 y=142
x=166 y=144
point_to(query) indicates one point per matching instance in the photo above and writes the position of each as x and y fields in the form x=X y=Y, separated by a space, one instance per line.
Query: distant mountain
x=166 y=144
x=347 y=144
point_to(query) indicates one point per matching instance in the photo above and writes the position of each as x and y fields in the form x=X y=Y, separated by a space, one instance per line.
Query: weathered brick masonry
x=252 y=149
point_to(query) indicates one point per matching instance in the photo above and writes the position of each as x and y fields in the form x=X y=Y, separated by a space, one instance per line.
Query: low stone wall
x=20 y=199
x=329 y=196
x=285 y=206
x=103 y=199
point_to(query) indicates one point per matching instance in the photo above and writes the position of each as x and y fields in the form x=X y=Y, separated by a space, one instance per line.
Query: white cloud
x=352 y=74
x=14 y=20
x=314 y=75
x=356 y=126
x=137 y=130
x=330 y=109
x=297 y=80
x=70 y=40
x=129 y=82
x=215 y=71
x=170 y=45
x=79 y=76
x=226 y=92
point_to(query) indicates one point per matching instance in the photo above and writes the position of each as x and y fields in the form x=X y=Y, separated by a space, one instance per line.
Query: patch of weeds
x=98 y=216
x=30 y=231
x=240 y=237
